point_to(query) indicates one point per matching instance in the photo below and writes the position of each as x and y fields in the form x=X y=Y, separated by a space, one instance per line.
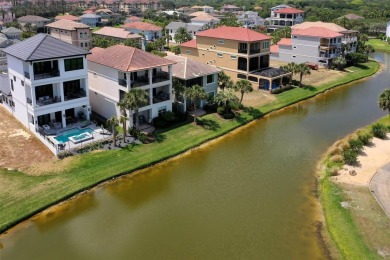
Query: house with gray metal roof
x=49 y=85
x=191 y=28
x=91 y=20
x=12 y=32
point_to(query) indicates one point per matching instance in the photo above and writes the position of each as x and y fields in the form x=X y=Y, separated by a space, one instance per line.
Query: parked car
x=312 y=66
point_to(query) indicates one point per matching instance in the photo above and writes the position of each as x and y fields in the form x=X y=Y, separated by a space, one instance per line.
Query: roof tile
x=234 y=33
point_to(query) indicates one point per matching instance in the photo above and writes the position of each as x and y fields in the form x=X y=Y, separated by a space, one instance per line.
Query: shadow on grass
x=129 y=148
x=254 y=112
x=362 y=66
x=160 y=137
x=208 y=124
x=309 y=87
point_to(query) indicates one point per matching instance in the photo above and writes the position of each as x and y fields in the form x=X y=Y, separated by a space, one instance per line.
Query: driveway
x=380 y=188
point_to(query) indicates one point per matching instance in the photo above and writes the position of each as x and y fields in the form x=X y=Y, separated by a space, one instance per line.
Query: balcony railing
x=47 y=75
x=29 y=101
x=72 y=95
x=254 y=51
x=122 y=82
x=46 y=100
x=160 y=97
x=27 y=75
x=244 y=51
x=161 y=76
x=140 y=81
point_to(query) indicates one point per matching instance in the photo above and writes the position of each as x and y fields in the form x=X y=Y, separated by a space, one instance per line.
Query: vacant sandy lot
x=19 y=149
x=256 y=98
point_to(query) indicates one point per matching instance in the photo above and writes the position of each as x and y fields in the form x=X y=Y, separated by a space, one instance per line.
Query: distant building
x=388 y=30
x=68 y=17
x=282 y=17
x=4 y=5
x=205 y=8
x=132 y=19
x=35 y=21
x=117 y=69
x=118 y=34
x=12 y=32
x=4 y=43
x=172 y=28
x=150 y=31
x=75 y=33
x=230 y=9
x=91 y=20
x=250 y=19
x=351 y=17
x=205 y=19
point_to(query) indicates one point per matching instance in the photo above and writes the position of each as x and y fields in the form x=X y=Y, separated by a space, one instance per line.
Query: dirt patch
x=257 y=98
x=19 y=148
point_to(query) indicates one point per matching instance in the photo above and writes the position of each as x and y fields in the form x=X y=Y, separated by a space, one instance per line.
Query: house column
x=62 y=91
x=150 y=76
x=281 y=80
x=150 y=96
x=34 y=101
x=128 y=81
x=270 y=86
x=63 y=118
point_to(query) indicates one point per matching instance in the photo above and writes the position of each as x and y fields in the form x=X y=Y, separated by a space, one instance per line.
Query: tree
x=230 y=20
x=178 y=89
x=243 y=86
x=384 y=100
x=182 y=35
x=290 y=67
x=195 y=94
x=224 y=81
x=123 y=106
x=132 y=43
x=227 y=100
x=113 y=123
x=303 y=70
x=135 y=99
x=339 y=63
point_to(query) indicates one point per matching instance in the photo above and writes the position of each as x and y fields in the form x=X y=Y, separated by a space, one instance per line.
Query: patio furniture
x=61 y=146
x=57 y=125
x=46 y=127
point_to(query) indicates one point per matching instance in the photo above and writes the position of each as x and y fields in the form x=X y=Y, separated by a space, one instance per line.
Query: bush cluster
x=365 y=138
x=84 y=148
x=379 y=130
x=166 y=119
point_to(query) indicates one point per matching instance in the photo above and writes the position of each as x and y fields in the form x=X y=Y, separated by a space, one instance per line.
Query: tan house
x=240 y=52
x=71 y=32
x=68 y=17
x=118 y=34
x=35 y=21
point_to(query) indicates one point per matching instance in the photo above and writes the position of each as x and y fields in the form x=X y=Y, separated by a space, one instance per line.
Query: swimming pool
x=64 y=136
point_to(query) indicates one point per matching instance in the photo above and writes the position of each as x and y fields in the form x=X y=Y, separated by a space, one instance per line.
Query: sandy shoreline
x=371 y=159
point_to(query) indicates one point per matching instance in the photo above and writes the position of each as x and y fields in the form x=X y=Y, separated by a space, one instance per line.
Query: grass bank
x=357 y=226
x=379 y=45
x=23 y=195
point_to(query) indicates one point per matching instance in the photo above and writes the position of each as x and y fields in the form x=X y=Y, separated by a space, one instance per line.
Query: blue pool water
x=64 y=136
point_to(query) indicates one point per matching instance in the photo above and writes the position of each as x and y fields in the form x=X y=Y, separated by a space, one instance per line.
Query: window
x=295 y=37
x=233 y=57
x=188 y=52
x=210 y=79
x=295 y=47
x=81 y=45
x=86 y=44
x=74 y=64
x=265 y=45
x=294 y=56
x=219 y=55
x=241 y=76
x=161 y=110
x=22 y=82
x=12 y=85
x=221 y=41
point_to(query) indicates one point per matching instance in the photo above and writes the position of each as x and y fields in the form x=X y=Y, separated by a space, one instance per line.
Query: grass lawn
x=23 y=194
x=361 y=229
x=379 y=45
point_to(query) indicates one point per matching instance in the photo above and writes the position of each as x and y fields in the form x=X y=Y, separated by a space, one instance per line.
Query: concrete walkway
x=380 y=188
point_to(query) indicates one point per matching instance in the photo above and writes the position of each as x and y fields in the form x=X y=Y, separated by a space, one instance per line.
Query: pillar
x=128 y=81
x=150 y=76
x=150 y=96
x=270 y=86
x=62 y=91
x=33 y=98
x=281 y=81
x=63 y=118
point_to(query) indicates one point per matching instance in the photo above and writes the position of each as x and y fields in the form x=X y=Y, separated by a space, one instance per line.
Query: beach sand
x=371 y=159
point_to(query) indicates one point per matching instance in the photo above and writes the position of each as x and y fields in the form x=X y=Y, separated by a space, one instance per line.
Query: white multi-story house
x=189 y=73
x=250 y=19
x=172 y=28
x=206 y=19
x=315 y=44
x=35 y=21
x=350 y=37
x=285 y=16
x=49 y=83
x=150 y=31
x=118 y=69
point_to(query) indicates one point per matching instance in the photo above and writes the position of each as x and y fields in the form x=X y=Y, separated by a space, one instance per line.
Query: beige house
x=118 y=34
x=240 y=52
x=71 y=32
x=36 y=21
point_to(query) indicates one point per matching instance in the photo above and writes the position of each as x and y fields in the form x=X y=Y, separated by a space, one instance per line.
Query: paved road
x=380 y=188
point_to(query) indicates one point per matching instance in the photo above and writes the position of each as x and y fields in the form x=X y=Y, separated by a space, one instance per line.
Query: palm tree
x=243 y=86
x=123 y=106
x=290 y=67
x=224 y=81
x=303 y=70
x=178 y=89
x=113 y=123
x=182 y=35
x=195 y=94
x=135 y=99
x=226 y=99
x=384 y=100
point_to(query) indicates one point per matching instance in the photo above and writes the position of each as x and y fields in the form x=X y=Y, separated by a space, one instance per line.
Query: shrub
x=169 y=116
x=210 y=107
x=354 y=58
x=221 y=110
x=143 y=138
x=159 y=122
x=379 y=130
x=334 y=171
x=335 y=150
x=336 y=158
x=344 y=146
x=228 y=115
x=350 y=157
x=365 y=137
x=355 y=145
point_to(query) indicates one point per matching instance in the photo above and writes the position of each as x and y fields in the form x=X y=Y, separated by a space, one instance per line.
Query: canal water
x=248 y=196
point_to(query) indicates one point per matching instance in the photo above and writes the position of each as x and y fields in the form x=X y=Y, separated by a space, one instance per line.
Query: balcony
x=122 y=82
x=160 y=97
x=254 y=51
x=27 y=75
x=140 y=81
x=244 y=51
x=74 y=95
x=46 y=75
x=160 y=76
x=46 y=100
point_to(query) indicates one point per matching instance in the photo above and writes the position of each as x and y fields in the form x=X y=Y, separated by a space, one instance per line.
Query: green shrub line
x=96 y=168
x=343 y=231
